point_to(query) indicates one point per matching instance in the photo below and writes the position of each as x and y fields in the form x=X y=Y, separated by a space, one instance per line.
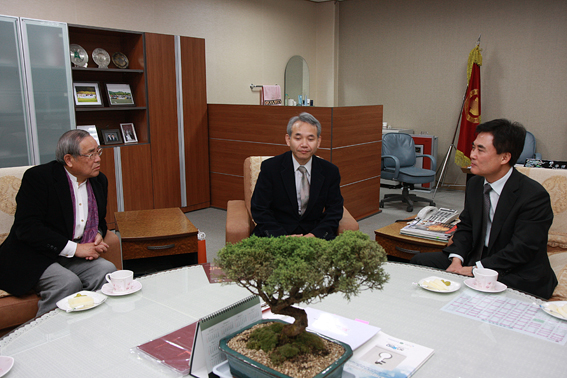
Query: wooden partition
x=351 y=139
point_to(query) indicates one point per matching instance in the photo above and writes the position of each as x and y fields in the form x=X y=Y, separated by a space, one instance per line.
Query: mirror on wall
x=296 y=80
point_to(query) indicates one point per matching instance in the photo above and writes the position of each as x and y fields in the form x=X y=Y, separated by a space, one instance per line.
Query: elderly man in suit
x=57 y=238
x=297 y=193
x=510 y=236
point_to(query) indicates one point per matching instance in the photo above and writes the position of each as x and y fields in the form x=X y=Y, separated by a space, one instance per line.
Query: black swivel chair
x=398 y=164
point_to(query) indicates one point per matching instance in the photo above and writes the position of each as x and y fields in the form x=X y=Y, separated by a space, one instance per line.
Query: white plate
x=454 y=286
x=498 y=288
x=546 y=307
x=109 y=290
x=98 y=298
x=6 y=364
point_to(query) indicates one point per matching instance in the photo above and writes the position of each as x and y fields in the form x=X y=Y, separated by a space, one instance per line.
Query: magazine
x=430 y=230
x=386 y=356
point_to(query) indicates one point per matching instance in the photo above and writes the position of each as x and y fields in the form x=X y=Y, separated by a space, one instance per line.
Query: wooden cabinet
x=109 y=116
x=177 y=100
x=169 y=166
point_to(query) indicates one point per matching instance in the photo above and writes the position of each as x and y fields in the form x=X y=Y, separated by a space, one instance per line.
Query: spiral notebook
x=171 y=351
x=211 y=329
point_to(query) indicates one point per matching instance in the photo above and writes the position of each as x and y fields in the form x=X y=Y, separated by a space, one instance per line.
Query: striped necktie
x=303 y=190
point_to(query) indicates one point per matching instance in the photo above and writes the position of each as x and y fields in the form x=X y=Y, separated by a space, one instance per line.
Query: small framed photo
x=87 y=94
x=120 y=95
x=91 y=129
x=111 y=136
x=128 y=133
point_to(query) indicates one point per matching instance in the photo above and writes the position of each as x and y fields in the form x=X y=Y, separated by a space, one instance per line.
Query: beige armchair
x=239 y=222
x=555 y=182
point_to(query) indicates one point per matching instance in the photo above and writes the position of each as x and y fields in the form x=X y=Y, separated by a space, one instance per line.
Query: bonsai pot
x=244 y=367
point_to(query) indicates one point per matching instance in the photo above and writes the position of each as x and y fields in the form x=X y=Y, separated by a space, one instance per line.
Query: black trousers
x=439 y=260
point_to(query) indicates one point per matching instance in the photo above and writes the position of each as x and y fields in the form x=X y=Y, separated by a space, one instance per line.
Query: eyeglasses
x=91 y=156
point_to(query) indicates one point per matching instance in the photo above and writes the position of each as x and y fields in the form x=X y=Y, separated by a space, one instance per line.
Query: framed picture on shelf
x=119 y=95
x=111 y=136
x=128 y=133
x=91 y=129
x=87 y=94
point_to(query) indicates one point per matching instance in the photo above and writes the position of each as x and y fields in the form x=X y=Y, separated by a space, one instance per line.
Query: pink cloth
x=271 y=95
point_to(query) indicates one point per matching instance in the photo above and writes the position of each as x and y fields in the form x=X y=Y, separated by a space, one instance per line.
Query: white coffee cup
x=121 y=280
x=485 y=278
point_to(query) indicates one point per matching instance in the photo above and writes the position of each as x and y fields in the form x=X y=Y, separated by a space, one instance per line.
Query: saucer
x=63 y=304
x=109 y=290
x=549 y=308
x=499 y=287
x=6 y=364
x=453 y=286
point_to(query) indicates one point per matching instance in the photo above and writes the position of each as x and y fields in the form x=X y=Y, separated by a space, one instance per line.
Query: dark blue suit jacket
x=43 y=225
x=274 y=202
x=517 y=247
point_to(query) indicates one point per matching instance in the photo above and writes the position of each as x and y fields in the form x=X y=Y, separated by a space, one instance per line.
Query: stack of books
x=432 y=230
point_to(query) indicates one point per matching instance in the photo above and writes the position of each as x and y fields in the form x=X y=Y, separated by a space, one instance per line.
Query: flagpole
x=452 y=145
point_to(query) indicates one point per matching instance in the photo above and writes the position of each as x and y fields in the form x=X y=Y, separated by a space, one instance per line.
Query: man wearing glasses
x=58 y=236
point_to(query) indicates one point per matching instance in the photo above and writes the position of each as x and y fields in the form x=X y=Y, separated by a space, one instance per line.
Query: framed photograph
x=87 y=94
x=119 y=95
x=91 y=129
x=111 y=136
x=128 y=133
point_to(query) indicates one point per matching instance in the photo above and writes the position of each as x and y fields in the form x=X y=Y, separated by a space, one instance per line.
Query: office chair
x=529 y=151
x=239 y=222
x=398 y=164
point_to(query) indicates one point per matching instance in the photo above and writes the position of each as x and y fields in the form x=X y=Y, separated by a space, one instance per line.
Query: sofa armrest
x=114 y=253
x=238 y=222
x=347 y=222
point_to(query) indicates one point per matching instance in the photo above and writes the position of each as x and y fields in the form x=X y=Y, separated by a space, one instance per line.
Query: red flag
x=470 y=117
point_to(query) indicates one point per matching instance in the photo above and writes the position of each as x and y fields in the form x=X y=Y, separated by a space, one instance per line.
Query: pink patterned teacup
x=485 y=278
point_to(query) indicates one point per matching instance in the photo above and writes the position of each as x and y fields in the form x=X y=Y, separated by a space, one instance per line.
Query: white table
x=98 y=342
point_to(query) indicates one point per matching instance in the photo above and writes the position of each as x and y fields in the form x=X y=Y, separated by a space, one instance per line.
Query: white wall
x=247 y=41
x=411 y=57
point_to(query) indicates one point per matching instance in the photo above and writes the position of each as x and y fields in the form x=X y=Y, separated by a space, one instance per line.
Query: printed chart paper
x=513 y=314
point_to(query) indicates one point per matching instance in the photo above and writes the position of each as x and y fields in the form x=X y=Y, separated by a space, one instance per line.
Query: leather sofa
x=15 y=311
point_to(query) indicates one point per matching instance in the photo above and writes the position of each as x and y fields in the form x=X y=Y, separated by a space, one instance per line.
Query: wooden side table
x=404 y=246
x=156 y=232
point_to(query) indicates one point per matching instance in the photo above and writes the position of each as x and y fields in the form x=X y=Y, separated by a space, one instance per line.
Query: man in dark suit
x=284 y=203
x=59 y=228
x=514 y=242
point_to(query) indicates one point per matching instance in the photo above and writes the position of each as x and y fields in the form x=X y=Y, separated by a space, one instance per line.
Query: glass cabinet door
x=49 y=84
x=14 y=138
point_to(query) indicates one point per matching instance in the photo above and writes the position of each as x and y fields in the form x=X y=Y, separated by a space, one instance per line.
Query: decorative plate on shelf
x=120 y=60
x=101 y=57
x=79 y=56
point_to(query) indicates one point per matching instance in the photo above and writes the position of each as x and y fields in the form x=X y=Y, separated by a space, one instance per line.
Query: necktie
x=485 y=215
x=303 y=189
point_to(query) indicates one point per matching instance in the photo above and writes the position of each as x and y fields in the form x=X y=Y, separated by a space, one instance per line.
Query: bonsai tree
x=285 y=271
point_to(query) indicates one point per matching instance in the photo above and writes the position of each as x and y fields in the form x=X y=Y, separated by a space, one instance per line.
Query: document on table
x=513 y=314
x=353 y=332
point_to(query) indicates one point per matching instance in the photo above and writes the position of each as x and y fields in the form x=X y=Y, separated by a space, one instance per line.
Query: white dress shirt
x=81 y=214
